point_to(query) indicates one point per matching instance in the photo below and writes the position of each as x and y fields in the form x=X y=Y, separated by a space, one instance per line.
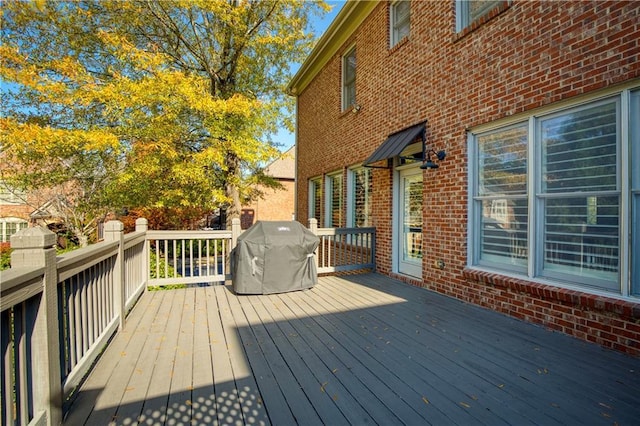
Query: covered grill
x=274 y=257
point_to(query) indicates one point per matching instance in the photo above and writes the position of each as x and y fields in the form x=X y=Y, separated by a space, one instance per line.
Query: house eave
x=352 y=14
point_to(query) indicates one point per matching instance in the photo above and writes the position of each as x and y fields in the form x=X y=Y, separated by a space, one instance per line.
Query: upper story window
x=349 y=79
x=400 y=21
x=468 y=11
x=548 y=195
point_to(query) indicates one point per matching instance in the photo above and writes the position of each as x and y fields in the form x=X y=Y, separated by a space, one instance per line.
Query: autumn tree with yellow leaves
x=146 y=103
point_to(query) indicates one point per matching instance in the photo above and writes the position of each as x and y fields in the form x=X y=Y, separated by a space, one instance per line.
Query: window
x=9 y=226
x=315 y=199
x=549 y=197
x=349 y=79
x=399 y=18
x=635 y=192
x=333 y=201
x=502 y=197
x=359 y=203
x=468 y=11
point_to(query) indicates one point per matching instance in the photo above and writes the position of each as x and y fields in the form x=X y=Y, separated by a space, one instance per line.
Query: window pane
x=580 y=150
x=316 y=194
x=336 y=200
x=412 y=226
x=477 y=8
x=579 y=244
x=362 y=207
x=503 y=162
x=468 y=11
x=401 y=22
x=635 y=191
x=503 y=235
x=349 y=79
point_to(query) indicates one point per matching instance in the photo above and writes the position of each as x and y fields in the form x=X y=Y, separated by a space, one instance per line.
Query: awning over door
x=395 y=144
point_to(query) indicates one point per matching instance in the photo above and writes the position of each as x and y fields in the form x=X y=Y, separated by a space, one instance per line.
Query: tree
x=173 y=102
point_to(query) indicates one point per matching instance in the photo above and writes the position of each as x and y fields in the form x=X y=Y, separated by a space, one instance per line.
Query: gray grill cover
x=274 y=257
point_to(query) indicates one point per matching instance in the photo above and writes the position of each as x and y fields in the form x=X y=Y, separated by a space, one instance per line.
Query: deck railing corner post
x=236 y=229
x=114 y=231
x=35 y=247
x=313 y=225
x=142 y=224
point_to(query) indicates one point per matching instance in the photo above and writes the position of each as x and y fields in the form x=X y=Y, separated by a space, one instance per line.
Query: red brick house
x=275 y=204
x=530 y=110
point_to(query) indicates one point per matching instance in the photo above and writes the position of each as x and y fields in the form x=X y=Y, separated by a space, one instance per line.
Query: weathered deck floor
x=356 y=350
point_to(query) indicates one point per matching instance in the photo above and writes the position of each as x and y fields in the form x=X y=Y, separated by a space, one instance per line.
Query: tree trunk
x=232 y=191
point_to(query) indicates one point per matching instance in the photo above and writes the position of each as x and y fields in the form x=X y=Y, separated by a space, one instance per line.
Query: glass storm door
x=410 y=225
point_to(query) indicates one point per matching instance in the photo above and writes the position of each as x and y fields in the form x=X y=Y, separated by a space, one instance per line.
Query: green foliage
x=5 y=256
x=166 y=104
x=153 y=263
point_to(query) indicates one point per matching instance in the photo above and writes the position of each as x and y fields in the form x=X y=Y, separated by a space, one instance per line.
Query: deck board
x=363 y=349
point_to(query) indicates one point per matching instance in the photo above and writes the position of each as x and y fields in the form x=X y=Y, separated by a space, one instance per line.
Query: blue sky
x=320 y=24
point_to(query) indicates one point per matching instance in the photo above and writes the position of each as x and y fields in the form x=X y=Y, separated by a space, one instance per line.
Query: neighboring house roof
x=346 y=22
x=284 y=167
x=49 y=209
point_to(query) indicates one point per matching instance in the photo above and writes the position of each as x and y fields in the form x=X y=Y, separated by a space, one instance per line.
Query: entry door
x=410 y=223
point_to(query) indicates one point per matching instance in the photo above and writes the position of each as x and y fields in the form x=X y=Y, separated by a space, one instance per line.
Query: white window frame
x=398 y=24
x=627 y=138
x=315 y=183
x=351 y=195
x=346 y=101
x=328 y=199
x=463 y=18
x=4 y=221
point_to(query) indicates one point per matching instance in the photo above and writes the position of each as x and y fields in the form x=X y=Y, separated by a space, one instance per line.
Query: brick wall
x=527 y=55
x=276 y=204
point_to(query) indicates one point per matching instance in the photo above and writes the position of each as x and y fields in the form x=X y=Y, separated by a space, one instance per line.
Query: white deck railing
x=58 y=313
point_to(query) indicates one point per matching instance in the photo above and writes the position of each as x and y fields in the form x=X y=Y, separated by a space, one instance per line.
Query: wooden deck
x=362 y=349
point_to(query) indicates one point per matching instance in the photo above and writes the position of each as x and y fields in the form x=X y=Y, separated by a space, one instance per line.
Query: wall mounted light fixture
x=356 y=108
x=429 y=163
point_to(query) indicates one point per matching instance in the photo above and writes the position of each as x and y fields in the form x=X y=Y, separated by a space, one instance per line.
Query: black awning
x=395 y=144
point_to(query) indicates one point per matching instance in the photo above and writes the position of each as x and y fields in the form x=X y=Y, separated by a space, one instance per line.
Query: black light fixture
x=429 y=163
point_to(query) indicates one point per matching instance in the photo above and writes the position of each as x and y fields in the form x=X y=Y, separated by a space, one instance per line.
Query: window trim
x=313 y=183
x=13 y=220
x=622 y=94
x=463 y=22
x=393 y=38
x=346 y=105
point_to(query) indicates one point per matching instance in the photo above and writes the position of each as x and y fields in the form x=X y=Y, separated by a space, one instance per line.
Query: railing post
x=142 y=225
x=235 y=232
x=114 y=231
x=313 y=227
x=35 y=247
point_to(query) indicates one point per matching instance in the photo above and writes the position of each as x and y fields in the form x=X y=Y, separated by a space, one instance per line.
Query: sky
x=285 y=138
